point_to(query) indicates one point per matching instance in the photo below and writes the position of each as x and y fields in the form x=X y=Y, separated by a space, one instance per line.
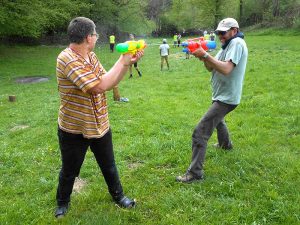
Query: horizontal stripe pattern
x=79 y=111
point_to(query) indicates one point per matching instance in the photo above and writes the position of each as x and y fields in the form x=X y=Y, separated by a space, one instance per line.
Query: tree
x=191 y=14
x=276 y=8
x=32 y=18
x=155 y=12
x=271 y=12
x=120 y=16
x=132 y=17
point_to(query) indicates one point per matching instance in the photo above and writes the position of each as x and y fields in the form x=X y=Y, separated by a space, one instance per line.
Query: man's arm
x=207 y=66
x=116 y=73
x=223 y=67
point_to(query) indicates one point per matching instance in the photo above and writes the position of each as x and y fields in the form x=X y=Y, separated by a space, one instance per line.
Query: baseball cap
x=165 y=40
x=226 y=24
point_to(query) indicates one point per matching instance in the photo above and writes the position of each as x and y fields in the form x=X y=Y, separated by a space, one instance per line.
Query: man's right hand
x=199 y=53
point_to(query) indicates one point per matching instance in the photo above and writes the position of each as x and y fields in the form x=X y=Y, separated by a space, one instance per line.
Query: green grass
x=259 y=30
x=256 y=183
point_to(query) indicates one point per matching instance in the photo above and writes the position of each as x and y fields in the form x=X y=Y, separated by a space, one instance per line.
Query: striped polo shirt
x=79 y=111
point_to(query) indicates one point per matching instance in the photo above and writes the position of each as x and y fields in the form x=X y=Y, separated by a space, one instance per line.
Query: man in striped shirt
x=83 y=116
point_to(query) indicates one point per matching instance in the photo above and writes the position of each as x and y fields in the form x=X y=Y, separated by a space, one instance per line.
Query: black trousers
x=111 y=46
x=73 y=148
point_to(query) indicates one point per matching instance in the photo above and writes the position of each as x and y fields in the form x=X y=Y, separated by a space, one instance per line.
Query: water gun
x=192 y=45
x=131 y=46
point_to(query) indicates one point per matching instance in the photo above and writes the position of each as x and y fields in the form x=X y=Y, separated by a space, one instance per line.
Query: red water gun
x=192 y=45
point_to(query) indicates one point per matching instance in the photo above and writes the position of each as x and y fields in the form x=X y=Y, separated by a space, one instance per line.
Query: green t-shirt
x=112 y=39
x=228 y=89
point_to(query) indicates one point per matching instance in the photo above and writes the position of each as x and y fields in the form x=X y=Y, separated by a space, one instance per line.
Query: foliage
x=155 y=11
x=256 y=183
x=227 y=8
x=271 y=13
x=31 y=18
x=132 y=19
x=191 y=15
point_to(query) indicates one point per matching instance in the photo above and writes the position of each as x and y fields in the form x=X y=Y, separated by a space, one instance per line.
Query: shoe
x=130 y=76
x=122 y=99
x=223 y=147
x=140 y=74
x=61 y=211
x=125 y=202
x=189 y=178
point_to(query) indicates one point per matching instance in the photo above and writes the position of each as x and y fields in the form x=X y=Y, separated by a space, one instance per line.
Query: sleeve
x=234 y=53
x=84 y=76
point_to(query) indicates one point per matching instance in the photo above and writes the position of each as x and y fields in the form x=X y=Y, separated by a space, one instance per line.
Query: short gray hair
x=79 y=28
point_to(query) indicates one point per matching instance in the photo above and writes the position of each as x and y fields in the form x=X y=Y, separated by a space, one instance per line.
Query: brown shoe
x=188 y=178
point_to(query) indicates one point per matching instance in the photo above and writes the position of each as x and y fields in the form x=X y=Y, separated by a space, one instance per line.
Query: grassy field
x=256 y=183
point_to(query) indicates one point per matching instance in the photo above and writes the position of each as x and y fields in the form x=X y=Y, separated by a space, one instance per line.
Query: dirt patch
x=30 y=80
x=79 y=184
x=19 y=127
x=134 y=165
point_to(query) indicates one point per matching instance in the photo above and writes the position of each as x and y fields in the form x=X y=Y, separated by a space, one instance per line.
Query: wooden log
x=12 y=98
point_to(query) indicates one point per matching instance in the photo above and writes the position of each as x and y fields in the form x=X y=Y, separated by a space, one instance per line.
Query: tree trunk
x=217 y=13
x=276 y=8
x=241 y=10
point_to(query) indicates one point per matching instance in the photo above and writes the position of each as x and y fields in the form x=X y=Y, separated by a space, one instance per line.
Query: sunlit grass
x=256 y=183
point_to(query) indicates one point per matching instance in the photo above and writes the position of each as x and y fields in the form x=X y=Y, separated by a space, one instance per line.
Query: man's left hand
x=137 y=56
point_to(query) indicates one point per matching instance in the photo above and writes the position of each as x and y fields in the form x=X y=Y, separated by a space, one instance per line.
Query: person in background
x=178 y=39
x=117 y=97
x=187 y=54
x=212 y=36
x=164 y=52
x=83 y=116
x=228 y=71
x=175 y=41
x=112 y=41
x=135 y=65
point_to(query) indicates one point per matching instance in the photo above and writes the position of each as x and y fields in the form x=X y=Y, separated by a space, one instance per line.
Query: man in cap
x=228 y=70
x=164 y=52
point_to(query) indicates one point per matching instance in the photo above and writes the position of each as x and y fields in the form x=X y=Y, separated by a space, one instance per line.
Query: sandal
x=125 y=202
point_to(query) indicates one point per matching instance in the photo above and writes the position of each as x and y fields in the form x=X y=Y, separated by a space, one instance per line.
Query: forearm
x=207 y=65
x=222 y=67
x=211 y=63
x=111 y=78
x=115 y=74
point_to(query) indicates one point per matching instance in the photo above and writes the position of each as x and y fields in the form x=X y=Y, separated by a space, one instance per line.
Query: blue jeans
x=214 y=118
x=73 y=148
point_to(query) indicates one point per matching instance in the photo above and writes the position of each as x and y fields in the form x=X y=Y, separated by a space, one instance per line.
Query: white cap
x=165 y=40
x=226 y=24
